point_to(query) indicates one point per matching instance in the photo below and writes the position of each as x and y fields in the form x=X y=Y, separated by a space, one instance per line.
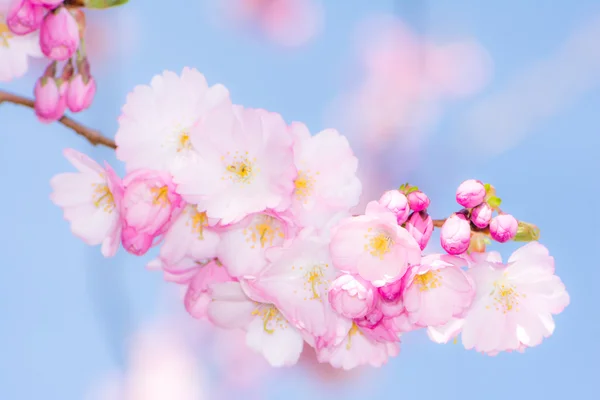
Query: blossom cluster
x=253 y=217
x=54 y=29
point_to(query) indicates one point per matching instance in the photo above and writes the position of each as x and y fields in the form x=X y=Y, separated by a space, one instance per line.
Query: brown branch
x=93 y=136
x=438 y=222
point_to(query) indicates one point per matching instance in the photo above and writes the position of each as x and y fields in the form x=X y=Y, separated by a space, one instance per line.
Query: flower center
x=240 y=169
x=264 y=231
x=5 y=33
x=272 y=318
x=103 y=198
x=505 y=298
x=379 y=244
x=161 y=195
x=316 y=282
x=184 y=142
x=199 y=221
x=428 y=280
x=304 y=184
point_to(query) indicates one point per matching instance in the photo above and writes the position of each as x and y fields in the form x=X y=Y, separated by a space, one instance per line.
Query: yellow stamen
x=103 y=198
x=240 y=168
x=304 y=184
x=270 y=313
x=161 y=195
x=184 y=142
x=379 y=244
x=264 y=231
x=353 y=331
x=5 y=33
x=428 y=280
x=505 y=297
x=199 y=221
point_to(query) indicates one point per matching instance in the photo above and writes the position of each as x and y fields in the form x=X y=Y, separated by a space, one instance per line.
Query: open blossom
x=149 y=205
x=268 y=331
x=326 y=183
x=189 y=236
x=357 y=349
x=199 y=294
x=374 y=246
x=15 y=50
x=437 y=290
x=91 y=200
x=352 y=297
x=154 y=127
x=245 y=164
x=514 y=302
x=297 y=281
x=243 y=245
x=59 y=35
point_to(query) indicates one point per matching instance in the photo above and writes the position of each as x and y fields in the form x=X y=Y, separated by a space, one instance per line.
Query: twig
x=93 y=136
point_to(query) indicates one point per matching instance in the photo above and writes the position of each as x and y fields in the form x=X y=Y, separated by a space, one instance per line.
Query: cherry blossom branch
x=93 y=136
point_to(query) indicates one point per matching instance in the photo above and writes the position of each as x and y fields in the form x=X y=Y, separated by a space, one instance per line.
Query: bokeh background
x=431 y=92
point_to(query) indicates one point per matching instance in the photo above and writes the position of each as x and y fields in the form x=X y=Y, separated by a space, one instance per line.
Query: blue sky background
x=66 y=312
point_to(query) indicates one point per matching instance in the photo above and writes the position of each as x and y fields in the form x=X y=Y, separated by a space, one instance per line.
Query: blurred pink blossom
x=288 y=23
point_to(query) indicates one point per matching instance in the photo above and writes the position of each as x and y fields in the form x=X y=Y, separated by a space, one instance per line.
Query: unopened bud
x=481 y=215
x=455 y=235
x=470 y=193
x=418 y=201
x=503 y=227
x=397 y=203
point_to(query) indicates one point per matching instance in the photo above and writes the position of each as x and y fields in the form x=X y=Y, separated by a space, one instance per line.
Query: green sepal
x=527 y=232
x=494 y=202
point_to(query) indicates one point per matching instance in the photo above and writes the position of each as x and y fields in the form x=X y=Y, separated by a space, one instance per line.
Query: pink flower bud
x=371 y=320
x=50 y=103
x=481 y=215
x=80 y=94
x=25 y=17
x=47 y=3
x=470 y=193
x=351 y=296
x=391 y=291
x=397 y=203
x=418 y=201
x=148 y=206
x=59 y=35
x=456 y=234
x=503 y=227
x=420 y=226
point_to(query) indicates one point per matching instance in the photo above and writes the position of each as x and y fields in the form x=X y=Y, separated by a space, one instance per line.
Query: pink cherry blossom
x=149 y=205
x=352 y=297
x=25 y=17
x=243 y=245
x=80 y=93
x=503 y=227
x=268 y=331
x=59 y=35
x=298 y=280
x=357 y=349
x=470 y=193
x=418 y=201
x=245 y=164
x=444 y=333
x=50 y=102
x=199 y=295
x=190 y=236
x=15 y=50
x=420 y=226
x=455 y=235
x=514 y=302
x=481 y=215
x=91 y=201
x=437 y=290
x=326 y=183
x=154 y=127
x=374 y=246
x=397 y=203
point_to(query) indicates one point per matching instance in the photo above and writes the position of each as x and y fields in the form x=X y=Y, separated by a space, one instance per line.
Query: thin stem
x=93 y=136
x=438 y=222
